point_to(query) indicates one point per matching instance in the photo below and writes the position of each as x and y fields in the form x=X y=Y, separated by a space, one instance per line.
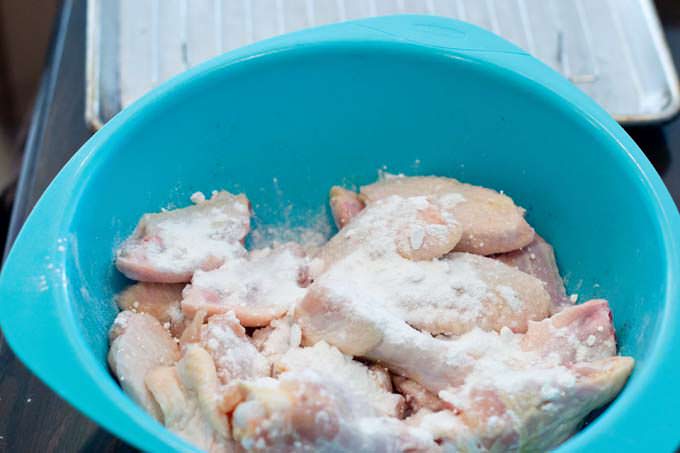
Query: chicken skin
x=139 y=344
x=361 y=382
x=302 y=411
x=258 y=289
x=582 y=332
x=414 y=228
x=526 y=410
x=491 y=222
x=233 y=352
x=451 y=296
x=538 y=259
x=188 y=395
x=345 y=205
x=160 y=300
x=170 y=246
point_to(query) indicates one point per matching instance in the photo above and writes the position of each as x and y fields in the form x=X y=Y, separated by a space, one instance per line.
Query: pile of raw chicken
x=434 y=320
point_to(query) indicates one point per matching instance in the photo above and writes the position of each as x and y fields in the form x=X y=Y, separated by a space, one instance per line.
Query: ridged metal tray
x=614 y=50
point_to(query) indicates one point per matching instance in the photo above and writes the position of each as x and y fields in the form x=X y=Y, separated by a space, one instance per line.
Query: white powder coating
x=232 y=350
x=526 y=409
x=197 y=197
x=358 y=379
x=497 y=361
x=450 y=295
x=311 y=236
x=259 y=288
x=440 y=424
x=387 y=251
x=356 y=310
x=277 y=338
x=491 y=222
x=477 y=372
x=450 y=200
x=417 y=237
x=418 y=292
x=295 y=336
x=514 y=381
x=351 y=320
x=304 y=412
x=416 y=228
x=576 y=334
x=169 y=246
x=510 y=297
x=500 y=374
x=390 y=434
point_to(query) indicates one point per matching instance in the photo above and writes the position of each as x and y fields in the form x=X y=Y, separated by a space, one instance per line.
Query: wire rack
x=613 y=50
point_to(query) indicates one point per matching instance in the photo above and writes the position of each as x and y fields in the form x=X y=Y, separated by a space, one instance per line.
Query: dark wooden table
x=33 y=418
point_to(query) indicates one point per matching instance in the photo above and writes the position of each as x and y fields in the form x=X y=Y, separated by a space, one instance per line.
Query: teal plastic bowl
x=285 y=119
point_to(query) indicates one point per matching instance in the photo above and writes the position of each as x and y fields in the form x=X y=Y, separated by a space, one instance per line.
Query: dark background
x=42 y=79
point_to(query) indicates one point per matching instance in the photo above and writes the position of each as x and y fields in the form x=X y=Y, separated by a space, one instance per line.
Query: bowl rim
x=393 y=33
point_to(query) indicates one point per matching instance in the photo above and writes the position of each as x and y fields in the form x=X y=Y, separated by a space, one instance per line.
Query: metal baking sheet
x=614 y=50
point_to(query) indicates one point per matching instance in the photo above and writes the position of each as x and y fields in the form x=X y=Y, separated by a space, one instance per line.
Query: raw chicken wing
x=232 y=350
x=359 y=326
x=139 y=344
x=491 y=222
x=332 y=314
x=580 y=333
x=258 y=288
x=303 y=411
x=525 y=410
x=452 y=295
x=169 y=246
x=531 y=391
x=189 y=397
x=361 y=382
x=160 y=300
x=414 y=228
x=277 y=338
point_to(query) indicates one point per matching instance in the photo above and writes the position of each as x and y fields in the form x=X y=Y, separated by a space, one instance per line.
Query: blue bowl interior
x=285 y=126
